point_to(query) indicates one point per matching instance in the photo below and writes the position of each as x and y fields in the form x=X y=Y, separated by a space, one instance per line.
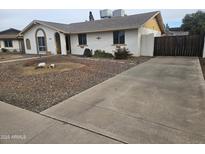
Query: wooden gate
x=191 y=45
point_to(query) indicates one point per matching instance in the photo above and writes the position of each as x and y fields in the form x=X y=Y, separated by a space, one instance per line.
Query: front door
x=68 y=47
x=22 y=47
x=58 y=43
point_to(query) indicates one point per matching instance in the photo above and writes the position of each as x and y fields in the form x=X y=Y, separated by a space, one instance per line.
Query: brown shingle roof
x=59 y=26
x=114 y=23
x=9 y=34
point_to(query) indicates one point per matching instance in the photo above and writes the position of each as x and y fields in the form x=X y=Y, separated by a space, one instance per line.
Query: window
x=8 y=43
x=28 y=44
x=41 y=40
x=41 y=43
x=119 y=37
x=82 y=39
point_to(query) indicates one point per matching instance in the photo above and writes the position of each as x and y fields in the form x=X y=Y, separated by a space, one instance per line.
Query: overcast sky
x=20 y=18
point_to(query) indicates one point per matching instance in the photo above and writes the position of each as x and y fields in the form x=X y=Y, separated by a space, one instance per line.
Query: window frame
x=118 y=37
x=41 y=49
x=8 y=43
x=41 y=39
x=82 y=39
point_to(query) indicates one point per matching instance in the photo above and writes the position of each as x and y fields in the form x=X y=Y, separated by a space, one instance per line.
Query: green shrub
x=122 y=53
x=87 y=53
x=102 y=54
x=4 y=50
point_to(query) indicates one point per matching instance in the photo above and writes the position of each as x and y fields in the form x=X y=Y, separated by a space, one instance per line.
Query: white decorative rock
x=52 y=65
x=41 y=65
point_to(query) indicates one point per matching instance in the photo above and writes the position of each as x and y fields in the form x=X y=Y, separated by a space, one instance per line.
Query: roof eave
x=38 y=22
x=11 y=38
x=108 y=30
x=160 y=22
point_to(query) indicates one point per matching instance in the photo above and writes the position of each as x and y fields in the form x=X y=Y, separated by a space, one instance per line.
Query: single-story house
x=41 y=37
x=11 y=41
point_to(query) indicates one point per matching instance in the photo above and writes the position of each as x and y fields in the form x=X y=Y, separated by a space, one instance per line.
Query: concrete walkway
x=160 y=101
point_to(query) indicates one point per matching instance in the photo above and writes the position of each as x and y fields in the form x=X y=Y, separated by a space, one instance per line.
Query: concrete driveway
x=160 y=101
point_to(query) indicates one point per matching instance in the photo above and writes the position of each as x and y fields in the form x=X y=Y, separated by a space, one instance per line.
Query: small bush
x=102 y=54
x=87 y=53
x=122 y=53
x=4 y=50
x=15 y=51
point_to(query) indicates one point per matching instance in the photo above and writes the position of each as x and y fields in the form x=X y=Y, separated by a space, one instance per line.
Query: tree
x=194 y=23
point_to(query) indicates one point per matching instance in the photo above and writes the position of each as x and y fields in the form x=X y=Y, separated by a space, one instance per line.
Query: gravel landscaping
x=202 y=62
x=36 y=90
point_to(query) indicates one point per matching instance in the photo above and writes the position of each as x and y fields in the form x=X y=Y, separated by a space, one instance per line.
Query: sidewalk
x=22 y=126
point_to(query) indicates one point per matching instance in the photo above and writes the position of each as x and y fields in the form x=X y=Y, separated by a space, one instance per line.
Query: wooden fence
x=191 y=45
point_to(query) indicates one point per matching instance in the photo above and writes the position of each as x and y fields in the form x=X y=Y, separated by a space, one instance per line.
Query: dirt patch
x=21 y=86
x=202 y=62
x=59 y=67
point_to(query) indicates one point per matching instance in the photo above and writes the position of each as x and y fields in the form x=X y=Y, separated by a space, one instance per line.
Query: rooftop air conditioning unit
x=118 y=13
x=105 y=13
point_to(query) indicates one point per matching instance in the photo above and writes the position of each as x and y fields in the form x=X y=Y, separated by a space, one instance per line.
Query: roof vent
x=91 y=17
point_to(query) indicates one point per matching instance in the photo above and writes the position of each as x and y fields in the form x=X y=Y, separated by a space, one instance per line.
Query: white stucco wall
x=147 y=45
x=50 y=39
x=15 y=43
x=105 y=42
x=132 y=41
x=146 y=31
x=63 y=44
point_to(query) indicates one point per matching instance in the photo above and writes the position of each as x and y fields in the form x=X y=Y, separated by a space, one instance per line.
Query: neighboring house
x=10 y=40
x=41 y=37
x=176 y=31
